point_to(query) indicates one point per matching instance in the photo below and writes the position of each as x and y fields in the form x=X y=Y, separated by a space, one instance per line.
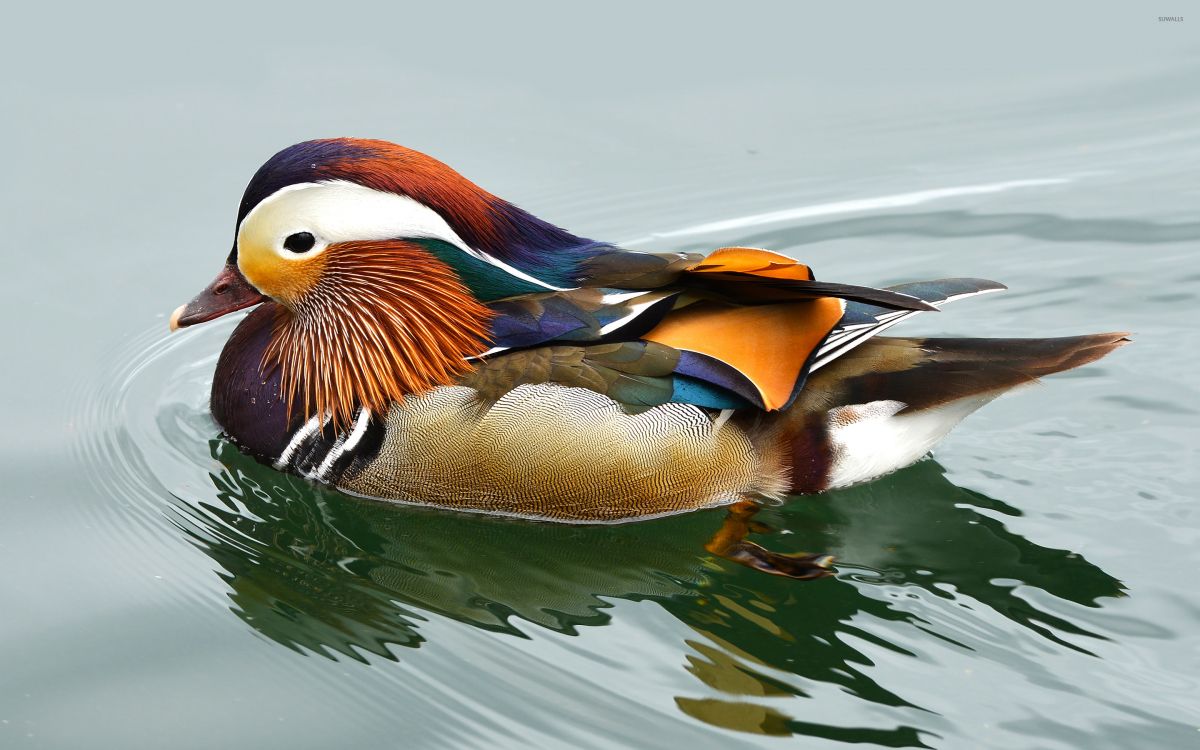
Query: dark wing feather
x=862 y=321
x=750 y=289
x=627 y=269
x=577 y=315
x=721 y=376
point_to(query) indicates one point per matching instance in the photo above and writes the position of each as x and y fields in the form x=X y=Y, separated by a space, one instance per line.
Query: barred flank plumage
x=563 y=453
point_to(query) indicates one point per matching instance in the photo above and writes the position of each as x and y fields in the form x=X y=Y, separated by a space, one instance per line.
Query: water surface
x=1031 y=585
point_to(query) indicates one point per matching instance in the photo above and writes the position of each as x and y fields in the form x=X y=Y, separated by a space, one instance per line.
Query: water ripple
x=438 y=605
x=900 y=200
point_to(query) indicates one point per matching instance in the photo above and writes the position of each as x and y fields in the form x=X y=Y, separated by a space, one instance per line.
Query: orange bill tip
x=175 y=316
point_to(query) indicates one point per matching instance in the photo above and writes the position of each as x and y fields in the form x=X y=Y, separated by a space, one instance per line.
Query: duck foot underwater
x=730 y=544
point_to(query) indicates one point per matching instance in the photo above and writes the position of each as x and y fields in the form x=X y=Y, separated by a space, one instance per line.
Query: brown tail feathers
x=924 y=373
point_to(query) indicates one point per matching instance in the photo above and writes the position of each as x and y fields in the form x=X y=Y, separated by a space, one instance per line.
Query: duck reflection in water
x=319 y=571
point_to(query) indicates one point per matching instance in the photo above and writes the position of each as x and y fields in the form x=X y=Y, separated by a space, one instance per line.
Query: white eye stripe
x=340 y=211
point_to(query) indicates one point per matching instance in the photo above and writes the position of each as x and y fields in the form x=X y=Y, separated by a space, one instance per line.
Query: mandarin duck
x=420 y=340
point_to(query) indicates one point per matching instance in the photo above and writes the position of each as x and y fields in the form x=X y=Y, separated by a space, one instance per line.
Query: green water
x=1031 y=586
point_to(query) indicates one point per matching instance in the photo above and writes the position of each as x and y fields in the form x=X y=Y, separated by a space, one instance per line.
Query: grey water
x=1033 y=584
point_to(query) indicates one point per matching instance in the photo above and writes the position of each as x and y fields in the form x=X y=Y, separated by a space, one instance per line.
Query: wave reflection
x=339 y=576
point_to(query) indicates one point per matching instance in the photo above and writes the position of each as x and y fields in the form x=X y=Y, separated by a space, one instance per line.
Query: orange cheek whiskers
x=384 y=320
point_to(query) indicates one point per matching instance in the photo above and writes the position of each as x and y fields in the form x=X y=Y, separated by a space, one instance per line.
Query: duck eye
x=300 y=242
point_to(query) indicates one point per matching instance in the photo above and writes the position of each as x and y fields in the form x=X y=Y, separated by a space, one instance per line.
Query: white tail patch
x=870 y=440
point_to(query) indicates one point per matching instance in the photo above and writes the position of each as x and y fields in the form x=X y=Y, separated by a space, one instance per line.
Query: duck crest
x=484 y=221
x=385 y=320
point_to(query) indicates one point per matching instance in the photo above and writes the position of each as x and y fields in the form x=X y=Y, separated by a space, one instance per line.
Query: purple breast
x=245 y=400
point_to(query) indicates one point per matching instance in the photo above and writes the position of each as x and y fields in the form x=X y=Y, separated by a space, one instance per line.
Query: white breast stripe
x=351 y=440
x=312 y=425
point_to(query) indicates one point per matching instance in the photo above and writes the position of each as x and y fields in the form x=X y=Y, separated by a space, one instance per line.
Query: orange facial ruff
x=380 y=320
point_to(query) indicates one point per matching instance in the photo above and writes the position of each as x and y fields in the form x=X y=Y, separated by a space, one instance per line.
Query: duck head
x=380 y=260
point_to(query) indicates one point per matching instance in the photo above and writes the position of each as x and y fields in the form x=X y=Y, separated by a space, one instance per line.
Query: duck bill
x=227 y=293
